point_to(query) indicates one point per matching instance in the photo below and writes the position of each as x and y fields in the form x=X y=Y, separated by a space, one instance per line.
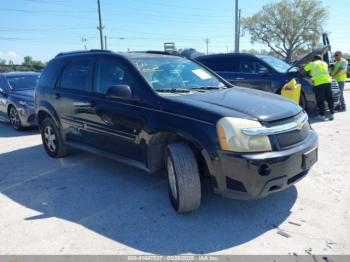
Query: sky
x=43 y=28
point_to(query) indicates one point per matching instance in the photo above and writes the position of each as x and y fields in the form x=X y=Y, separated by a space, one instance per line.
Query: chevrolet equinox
x=155 y=111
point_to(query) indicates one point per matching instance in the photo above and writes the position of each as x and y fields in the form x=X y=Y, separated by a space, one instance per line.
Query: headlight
x=232 y=138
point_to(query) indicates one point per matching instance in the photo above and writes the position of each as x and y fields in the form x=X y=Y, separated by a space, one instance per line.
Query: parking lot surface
x=84 y=204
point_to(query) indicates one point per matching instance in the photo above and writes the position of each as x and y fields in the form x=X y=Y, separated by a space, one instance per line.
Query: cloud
x=11 y=55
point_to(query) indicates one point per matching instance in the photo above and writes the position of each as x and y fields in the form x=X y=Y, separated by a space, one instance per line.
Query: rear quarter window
x=49 y=75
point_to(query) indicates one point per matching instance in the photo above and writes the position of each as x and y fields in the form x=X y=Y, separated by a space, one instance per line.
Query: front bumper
x=252 y=176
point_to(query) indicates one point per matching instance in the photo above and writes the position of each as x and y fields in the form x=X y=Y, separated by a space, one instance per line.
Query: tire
x=183 y=178
x=15 y=121
x=52 y=139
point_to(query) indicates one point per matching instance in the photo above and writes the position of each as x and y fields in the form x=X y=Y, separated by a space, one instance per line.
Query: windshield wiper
x=207 y=88
x=173 y=90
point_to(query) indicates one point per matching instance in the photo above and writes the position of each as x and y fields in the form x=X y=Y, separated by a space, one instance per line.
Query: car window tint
x=75 y=75
x=110 y=73
x=225 y=64
x=251 y=66
x=49 y=76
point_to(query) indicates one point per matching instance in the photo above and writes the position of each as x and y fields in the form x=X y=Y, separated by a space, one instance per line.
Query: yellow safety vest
x=319 y=72
x=342 y=77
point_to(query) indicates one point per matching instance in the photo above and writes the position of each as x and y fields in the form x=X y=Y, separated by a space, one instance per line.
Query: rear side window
x=222 y=64
x=75 y=75
x=111 y=72
x=49 y=76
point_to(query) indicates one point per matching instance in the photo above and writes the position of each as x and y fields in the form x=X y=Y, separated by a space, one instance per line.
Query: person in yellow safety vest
x=339 y=74
x=321 y=81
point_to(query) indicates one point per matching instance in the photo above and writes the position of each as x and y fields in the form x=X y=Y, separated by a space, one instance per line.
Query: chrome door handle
x=240 y=78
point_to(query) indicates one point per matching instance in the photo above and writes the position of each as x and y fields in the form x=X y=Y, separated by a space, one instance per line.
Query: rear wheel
x=15 y=121
x=183 y=178
x=52 y=139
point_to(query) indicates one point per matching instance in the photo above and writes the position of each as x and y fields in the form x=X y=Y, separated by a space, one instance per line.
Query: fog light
x=264 y=170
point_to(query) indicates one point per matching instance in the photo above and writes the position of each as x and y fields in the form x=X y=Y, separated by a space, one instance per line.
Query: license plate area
x=309 y=158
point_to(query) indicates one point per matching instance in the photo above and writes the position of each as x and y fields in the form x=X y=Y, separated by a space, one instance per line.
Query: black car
x=265 y=73
x=17 y=98
x=156 y=111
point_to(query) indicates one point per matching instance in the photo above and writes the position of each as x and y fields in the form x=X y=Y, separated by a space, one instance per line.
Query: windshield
x=22 y=82
x=277 y=64
x=176 y=74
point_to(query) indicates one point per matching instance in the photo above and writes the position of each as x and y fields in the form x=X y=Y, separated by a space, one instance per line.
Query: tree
x=27 y=60
x=32 y=64
x=287 y=27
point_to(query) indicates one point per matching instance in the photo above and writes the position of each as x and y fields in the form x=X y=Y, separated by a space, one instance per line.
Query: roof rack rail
x=156 y=52
x=83 y=52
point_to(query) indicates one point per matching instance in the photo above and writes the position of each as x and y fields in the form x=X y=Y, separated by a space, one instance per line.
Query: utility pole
x=106 y=42
x=100 y=27
x=207 y=42
x=237 y=25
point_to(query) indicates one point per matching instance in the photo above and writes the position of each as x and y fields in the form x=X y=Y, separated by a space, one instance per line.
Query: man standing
x=339 y=74
x=321 y=81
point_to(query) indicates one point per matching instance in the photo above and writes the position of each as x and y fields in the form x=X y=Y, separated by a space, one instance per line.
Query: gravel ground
x=85 y=204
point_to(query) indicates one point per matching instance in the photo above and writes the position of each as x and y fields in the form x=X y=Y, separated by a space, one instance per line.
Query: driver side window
x=251 y=66
x=110 y=72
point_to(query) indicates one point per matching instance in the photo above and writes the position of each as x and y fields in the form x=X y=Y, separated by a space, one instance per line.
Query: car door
x=254 y=74
x=72 y=99
x=3 y=97
x=117 y=122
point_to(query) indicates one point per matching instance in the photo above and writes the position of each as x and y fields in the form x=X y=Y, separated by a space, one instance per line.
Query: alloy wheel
x=14 y=118
x=50 y=138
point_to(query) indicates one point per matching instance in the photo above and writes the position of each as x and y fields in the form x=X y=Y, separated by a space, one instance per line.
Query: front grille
x=293 y=137
x=285 y=140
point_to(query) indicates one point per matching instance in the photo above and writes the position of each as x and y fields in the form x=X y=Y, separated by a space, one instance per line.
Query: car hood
x=308 y=58
x=27 y=94
x=253 y=104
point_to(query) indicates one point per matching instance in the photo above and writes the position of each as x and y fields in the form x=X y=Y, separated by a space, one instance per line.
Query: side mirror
x=3 y=92
x=119 y=91
x=263 y=71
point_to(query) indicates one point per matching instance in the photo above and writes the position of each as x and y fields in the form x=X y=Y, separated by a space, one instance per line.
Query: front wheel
x=15 y=121
x=52 y=139
x=183 y=178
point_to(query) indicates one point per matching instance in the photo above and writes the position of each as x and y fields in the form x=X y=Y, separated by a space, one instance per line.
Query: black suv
x=156 y=111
